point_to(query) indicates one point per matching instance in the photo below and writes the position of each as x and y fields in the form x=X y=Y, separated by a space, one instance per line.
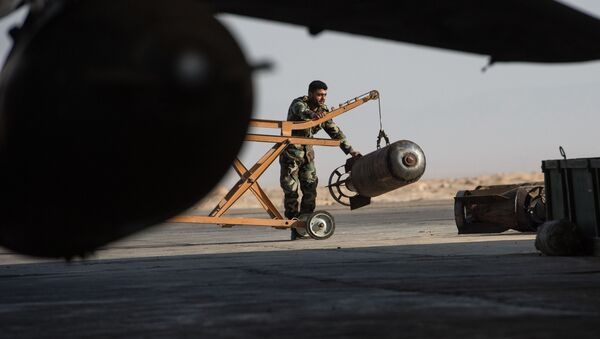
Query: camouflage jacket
x=299 y=111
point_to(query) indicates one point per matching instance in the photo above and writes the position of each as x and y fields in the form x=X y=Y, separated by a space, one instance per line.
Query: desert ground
x=423 y=190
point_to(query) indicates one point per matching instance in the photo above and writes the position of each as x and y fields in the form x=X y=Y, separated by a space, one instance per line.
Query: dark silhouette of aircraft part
x=506 y=30
x=7 y=6
x=115 y=115
x=381 y=171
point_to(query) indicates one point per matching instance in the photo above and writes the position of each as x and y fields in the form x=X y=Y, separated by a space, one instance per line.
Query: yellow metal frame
x=249 y=177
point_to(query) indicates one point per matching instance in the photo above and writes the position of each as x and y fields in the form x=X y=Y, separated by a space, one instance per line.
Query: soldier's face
x=318 y=96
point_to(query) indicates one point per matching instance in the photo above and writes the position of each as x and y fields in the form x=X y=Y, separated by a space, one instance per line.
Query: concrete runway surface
x=397 y=271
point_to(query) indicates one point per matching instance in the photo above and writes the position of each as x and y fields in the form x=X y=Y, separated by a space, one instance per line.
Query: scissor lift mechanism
x=249 y=177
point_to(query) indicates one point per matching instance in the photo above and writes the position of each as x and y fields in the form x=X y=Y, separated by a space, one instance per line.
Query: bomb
x=384 y=170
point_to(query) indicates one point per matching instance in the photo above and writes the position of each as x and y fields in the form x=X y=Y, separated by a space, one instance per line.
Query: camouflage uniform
x=297 y=161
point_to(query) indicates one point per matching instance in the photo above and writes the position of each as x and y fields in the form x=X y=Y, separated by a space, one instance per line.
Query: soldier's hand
x=317 y=114
x=355 y=153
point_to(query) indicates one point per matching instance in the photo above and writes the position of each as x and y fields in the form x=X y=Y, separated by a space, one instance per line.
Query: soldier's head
x=317 y=92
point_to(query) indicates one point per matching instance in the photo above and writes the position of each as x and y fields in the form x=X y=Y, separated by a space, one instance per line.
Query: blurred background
x=468 y=122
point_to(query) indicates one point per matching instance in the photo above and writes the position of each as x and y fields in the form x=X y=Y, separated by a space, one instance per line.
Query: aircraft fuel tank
x=384 y=170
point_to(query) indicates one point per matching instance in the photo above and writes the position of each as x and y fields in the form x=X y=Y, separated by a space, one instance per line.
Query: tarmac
x=389 y=271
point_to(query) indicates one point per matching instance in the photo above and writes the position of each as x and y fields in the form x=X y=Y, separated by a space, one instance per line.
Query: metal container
x=386 y=169
x=573 y=194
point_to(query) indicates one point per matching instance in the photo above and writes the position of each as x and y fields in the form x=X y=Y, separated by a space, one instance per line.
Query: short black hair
x=315 y=85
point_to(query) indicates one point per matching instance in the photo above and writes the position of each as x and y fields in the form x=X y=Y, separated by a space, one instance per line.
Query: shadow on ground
x=395 y=291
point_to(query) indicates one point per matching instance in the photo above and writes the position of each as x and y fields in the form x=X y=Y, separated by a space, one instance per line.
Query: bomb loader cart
x=319 y=224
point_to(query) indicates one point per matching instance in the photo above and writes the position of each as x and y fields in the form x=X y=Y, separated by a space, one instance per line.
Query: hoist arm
x=288 y=126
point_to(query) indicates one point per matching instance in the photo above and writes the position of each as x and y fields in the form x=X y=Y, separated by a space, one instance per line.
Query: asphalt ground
x=388 y=271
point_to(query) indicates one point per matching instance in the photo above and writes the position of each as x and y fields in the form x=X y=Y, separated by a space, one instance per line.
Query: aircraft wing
x=506 y=30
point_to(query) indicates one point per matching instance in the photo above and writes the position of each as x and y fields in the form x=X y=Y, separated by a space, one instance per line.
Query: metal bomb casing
x=376 y=173
x=387 y=169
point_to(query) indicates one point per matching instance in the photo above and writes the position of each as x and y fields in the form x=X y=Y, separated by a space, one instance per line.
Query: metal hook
x=562 y=152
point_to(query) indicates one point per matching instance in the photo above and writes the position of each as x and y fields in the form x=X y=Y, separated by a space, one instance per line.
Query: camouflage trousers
x=298 y=169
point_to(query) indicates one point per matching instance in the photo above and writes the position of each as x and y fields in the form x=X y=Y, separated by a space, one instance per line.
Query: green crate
x=572 y=193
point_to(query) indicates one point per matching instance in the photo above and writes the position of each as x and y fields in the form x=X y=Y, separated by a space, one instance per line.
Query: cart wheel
x=320 y=225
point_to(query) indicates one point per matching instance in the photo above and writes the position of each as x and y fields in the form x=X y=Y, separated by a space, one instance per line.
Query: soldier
x=297 y=161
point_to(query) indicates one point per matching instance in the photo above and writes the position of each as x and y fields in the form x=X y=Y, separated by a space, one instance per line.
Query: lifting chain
x=381 y=134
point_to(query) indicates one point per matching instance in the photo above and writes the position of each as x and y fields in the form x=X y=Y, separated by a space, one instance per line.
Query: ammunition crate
x=572 y=193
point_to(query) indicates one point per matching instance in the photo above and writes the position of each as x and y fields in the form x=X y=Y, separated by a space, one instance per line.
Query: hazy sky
x=467 y=122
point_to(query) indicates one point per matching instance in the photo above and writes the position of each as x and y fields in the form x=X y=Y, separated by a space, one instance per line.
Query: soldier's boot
x=295 y=235
x=308 y=184
x=290 y=203
x=298 y=236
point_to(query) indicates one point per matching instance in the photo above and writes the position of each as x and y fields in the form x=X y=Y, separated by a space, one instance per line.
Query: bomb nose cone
x=409 y=160
x=388 y=168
